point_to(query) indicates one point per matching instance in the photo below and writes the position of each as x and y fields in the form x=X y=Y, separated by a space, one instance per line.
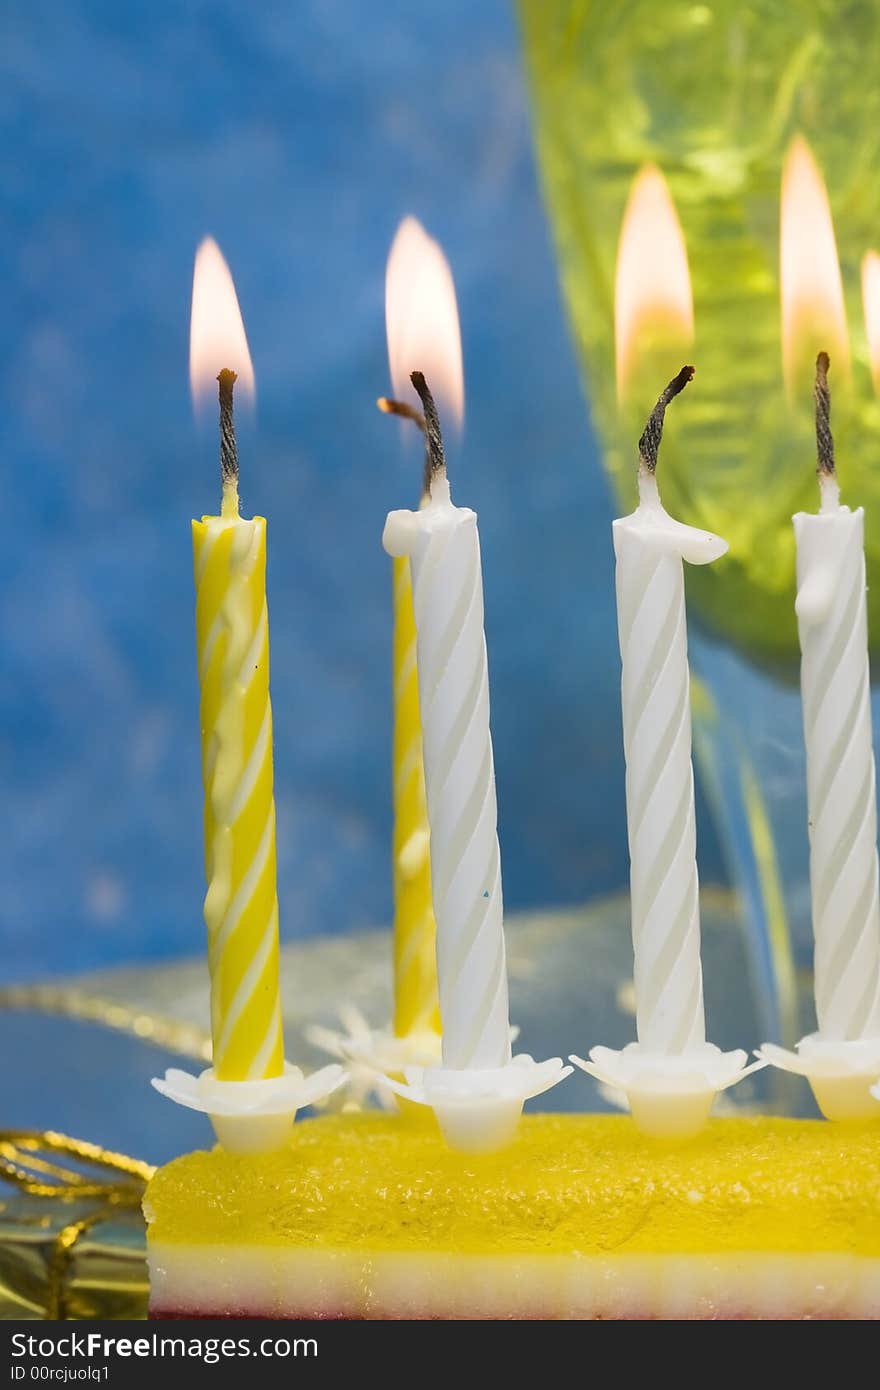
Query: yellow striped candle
x=241 y=904
x=416 y=1006
x=232 y=629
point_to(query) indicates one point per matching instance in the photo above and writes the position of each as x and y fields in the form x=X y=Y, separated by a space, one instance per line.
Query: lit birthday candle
x=843 y=1057
x=232 y=628
x=250 y=1092
x=478 y=1091
x=421 y=320
x=671 y=1074
x=420 y=308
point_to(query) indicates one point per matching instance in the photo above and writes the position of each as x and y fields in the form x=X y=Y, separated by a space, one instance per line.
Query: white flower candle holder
x=841 y=1073
x=669 y=1096
x=478 y=1108
x=250 y=1117
x=371 y=1055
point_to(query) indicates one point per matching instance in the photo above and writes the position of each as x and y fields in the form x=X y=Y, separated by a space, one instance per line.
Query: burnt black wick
x=649 y=444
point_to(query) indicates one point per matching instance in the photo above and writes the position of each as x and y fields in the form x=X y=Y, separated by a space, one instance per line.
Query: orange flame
x=813 y=313
x=216 y=335
x=652 y=288
x=421 y=319
x=871 y=303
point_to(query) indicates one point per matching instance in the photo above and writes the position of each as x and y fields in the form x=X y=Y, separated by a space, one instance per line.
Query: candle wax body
x=655 y=691
x=241 y=905
x=443 y=544
x=416 y=1006
x=841 y=794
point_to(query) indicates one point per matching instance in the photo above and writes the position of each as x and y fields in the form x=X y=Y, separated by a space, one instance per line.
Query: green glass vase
x=714 y=94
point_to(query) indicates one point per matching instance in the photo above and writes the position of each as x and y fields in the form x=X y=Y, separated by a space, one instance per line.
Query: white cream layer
x=264 y=1281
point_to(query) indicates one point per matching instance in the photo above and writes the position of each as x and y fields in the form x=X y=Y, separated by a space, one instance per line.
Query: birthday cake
x=456 y=1206
x=580 y=1217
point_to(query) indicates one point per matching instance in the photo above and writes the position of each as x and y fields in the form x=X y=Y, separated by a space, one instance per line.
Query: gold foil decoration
x=22 y=1163
x=29 y=1162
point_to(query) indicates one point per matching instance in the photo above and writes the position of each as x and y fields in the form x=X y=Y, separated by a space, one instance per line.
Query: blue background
x=298 y=135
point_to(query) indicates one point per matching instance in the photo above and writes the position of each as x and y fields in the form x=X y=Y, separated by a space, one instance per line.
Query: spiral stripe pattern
x=460 y=786
x=842 y=801
x=655 y=690
x=241 y=905
x=416 y=1006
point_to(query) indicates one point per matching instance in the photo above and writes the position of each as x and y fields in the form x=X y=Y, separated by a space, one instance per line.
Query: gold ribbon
x=186 y=1039
x=27 y=1162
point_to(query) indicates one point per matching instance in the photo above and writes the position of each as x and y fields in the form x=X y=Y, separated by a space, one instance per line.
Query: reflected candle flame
x=652 y=288
x=813 y=313
x=421 y=320
x=217 y=339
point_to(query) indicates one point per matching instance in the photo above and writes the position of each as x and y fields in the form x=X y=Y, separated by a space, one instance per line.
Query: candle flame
x=813 y=313
x=652 y=288
x=216 y=337
x=421 y=320
x=871 y=303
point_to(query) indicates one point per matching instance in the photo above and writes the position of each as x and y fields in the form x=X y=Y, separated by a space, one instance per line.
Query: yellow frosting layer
x=587 y=1184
